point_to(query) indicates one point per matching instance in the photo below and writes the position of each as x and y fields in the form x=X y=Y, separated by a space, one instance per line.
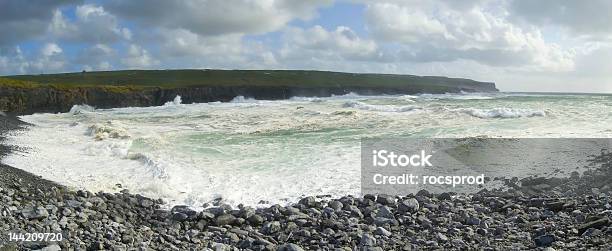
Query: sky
x=544 y=45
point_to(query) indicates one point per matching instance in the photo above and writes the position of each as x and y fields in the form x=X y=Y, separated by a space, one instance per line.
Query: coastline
x=51 y=93
x=9 y=174
x=536 y=213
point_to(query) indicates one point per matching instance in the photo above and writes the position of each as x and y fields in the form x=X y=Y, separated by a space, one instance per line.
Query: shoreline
x=9 y=173
x=26 y=94
x=536 y=213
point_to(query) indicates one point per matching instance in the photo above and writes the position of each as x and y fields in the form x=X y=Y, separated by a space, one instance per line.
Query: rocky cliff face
x=27 y=100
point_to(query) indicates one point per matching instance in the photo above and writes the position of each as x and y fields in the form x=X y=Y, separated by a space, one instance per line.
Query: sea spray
x=107 y=130
x=177 y=101
x=79 y=109
x=379 y=108
x=502 y=112
x=274 y=151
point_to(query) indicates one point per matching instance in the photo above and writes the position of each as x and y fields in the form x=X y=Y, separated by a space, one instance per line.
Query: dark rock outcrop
x=19 y=95
x=50 y=99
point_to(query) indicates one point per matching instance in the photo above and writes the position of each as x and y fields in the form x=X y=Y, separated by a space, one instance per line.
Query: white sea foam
x=242 y=99
x=176 y=101
x=275 y=151
x=502 y=112
x=78 y=109
x=109 y=129
x=462 y=96
x=379 y=108
x=307 y=99
x=156 y=168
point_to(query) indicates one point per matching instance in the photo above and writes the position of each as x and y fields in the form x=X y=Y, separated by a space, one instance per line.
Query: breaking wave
x=189 y=153
x=154 y=167
x=502 y=112
x=177 y=101
x=379 y=108
x=242 y=99
x=79 y=109
x=460 y=96
x=107 y=130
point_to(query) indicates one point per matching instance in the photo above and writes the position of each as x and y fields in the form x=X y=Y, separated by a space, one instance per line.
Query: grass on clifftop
x=186 y=78
x=26 y=84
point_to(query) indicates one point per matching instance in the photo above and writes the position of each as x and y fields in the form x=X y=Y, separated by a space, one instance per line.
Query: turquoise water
x=246 y=151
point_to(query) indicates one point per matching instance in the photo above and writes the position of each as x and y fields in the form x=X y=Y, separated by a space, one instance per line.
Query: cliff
x=26 y=94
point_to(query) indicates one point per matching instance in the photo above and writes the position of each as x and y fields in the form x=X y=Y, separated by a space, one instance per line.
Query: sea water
x=259 y=152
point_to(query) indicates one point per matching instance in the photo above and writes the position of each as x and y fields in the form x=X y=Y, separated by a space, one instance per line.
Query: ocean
x=259 y=152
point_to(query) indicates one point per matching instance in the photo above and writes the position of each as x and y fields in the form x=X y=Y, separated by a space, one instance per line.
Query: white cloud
x=181 y=48
x=391 y=21
x=12 y=61
x=92 y=24
x=51 y=49
x=181 y=43
x=339 y=44
x=434 y=31
x=216 y=17
x=48 y=59
x=21 y=20
x=588 y=18
x=97 y=57
x=138 y=57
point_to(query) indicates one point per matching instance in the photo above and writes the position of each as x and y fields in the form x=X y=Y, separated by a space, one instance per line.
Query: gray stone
x=599 y=223
x=473 y=221
x=308 y=201
x=292 y=210
x=481 y=231
x=444 y=196
x=385 y=199
x=206 y=215
x=544 y=240
x=35 y=213
x=424 y=193
x=246 y=212
x=73 y=203
x=289 y=247
x=408 y=206
x=221 y=247
x=382 y=231
x=271 y=227
x=146 y=203
x=367 y=240
x=185 y=210
x=53 y=247
x=176 y=217
x=458 y=243
x=355 y=212
x=441 y=237
x=255 y=220
x=336 y=205
x=385 y=212
x=215 y=210
x=226 y=219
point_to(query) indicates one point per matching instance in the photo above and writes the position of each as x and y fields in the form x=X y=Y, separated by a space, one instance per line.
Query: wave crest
x=80 y=109
x=176 y=101
x=154 y=167
x=242 y=99
x=379 y=108
x=502 y=112
x=107 y=130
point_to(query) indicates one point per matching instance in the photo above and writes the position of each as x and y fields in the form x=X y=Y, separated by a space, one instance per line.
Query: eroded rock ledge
x=59 y=92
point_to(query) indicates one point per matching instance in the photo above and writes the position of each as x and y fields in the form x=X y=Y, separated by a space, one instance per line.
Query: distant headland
x=26 y=94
